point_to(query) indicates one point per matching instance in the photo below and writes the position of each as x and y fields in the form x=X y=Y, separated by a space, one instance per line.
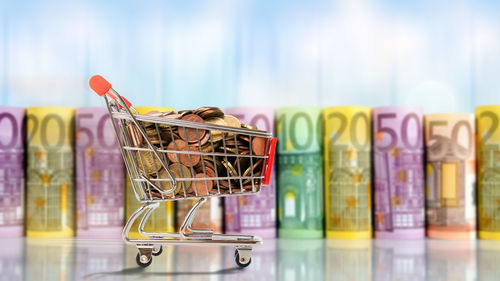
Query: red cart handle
x=268 y=166
x=102 y=87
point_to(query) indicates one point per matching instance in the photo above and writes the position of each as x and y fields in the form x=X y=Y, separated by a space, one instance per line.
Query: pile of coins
x=203 y=162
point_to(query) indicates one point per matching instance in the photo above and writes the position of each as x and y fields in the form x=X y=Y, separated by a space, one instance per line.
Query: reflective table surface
x=84 y=259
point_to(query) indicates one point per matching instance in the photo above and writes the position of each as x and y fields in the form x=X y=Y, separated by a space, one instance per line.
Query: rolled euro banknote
x=399 y=172
x=12 y=167
x=348 y=172
x=300 y=172
x=162 y=218
x=50 y=208
x=99 y=175
x=451 y=175
x=488 y=156
x=255 y=214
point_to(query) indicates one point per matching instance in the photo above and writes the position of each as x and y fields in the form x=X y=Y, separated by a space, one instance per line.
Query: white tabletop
x=85 y=259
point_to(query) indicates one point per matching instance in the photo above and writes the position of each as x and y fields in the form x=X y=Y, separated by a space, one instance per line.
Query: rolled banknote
x=209 y=215
x=348 y=172
x=99 y=175
x=162 y=218
x=300 y=181
x=50 y=208
x=256 y=214
x=488 y=155
x=451 y=176
x=12 y=167
x=399 y=172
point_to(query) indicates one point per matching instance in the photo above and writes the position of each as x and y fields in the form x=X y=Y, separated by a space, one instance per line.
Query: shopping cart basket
x=168 y=158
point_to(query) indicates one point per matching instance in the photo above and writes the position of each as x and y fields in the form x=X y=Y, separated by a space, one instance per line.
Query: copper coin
x=259 y=146
x=135 y=135
x=224 y=183
x=185 y=112
x=244 y=138
x=207 y=164
x=185 y=159
x=234 y=143
x=191 y=134
x=203 y=141
x=209 y=112
x=202 y=186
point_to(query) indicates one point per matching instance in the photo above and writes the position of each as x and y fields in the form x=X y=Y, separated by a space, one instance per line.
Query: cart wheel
x=240 y=263
x=143 y=261
x=157 y=251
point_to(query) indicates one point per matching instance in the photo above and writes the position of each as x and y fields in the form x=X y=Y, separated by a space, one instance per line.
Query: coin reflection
x=399 y=260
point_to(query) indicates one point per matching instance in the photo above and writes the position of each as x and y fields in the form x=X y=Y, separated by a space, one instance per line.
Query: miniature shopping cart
x=169 y=158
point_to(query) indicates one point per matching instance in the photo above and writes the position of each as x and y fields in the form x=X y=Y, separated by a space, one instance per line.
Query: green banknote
x=300 y=172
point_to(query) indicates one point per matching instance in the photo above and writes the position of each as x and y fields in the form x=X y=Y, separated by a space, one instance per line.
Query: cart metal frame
x=126 y=121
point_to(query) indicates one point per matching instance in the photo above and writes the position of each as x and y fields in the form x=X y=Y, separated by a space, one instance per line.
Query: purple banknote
x=399 y=172
x=11 y=171
x=99 y=175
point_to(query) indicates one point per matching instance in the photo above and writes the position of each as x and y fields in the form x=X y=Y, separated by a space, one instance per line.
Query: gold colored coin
x=150 y=163
x=232 y=121
x=178 y=171
x=216 y=135
x=230 y=168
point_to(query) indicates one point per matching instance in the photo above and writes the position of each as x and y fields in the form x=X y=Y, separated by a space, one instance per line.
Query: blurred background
x=443 y=55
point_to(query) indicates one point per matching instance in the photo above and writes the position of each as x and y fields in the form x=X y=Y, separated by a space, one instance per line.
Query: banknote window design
x=11 y=182
x=449 y=183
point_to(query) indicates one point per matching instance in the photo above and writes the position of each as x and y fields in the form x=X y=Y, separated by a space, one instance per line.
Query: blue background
x=443 y=55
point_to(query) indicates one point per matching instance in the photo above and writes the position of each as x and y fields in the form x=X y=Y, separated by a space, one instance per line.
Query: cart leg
x=131 y=220
x=188 y=221
x=144 y=219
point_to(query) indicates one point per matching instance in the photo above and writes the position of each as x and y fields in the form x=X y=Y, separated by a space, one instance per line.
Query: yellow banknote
x=488 y=155
x=50 y=176
x=347 y=153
